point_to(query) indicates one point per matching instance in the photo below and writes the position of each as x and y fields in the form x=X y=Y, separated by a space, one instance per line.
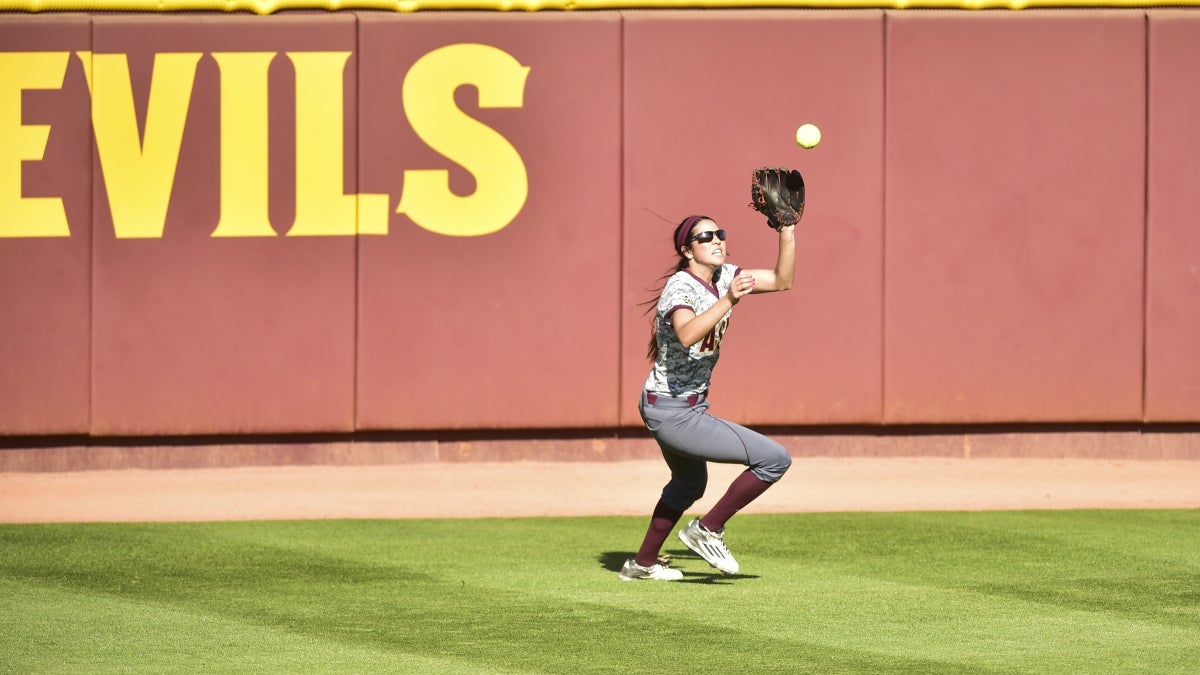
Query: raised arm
x=780 y=278
x=691 y=328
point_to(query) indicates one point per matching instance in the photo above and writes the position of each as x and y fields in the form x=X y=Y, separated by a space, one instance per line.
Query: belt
x=673 y=401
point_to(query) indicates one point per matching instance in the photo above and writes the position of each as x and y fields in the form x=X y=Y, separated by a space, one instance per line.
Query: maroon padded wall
x=701 y=112
x=1000 y=228
x=194 y=334
x=1014 y=211
x=517 y=328
x=45 y=282
x=1173 y=220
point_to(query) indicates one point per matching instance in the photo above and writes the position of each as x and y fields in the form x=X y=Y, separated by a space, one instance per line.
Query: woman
x=690 y=321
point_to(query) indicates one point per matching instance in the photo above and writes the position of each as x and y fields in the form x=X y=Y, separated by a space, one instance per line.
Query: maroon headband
x=681 y=234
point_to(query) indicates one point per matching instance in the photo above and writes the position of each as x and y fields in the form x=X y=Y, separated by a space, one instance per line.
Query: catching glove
x=778 y=194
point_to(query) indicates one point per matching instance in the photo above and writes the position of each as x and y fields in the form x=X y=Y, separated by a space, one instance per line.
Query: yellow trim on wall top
x=272 y=6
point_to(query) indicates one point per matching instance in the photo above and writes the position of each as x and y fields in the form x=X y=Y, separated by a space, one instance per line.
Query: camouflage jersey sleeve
x=679 y=370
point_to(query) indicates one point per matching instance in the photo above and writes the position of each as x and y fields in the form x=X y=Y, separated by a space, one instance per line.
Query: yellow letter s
x=502 y=184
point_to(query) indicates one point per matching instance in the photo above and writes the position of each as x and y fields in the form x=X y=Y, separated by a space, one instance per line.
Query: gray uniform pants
x=690 y=438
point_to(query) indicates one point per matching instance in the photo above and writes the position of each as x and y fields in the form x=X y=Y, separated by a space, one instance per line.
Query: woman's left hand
x=742 y=284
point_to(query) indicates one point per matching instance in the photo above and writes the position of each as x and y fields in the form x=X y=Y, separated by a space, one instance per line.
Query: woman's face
x=706 y=245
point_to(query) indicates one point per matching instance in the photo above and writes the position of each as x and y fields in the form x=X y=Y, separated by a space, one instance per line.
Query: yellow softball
x=808 y=135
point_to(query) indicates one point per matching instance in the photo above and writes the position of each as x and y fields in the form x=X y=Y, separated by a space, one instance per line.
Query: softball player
x=690 y=321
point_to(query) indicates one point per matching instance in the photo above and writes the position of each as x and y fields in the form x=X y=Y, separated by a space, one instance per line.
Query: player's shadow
x=613 y=560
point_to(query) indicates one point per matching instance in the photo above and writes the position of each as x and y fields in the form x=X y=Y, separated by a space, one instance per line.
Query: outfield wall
x=357 y=222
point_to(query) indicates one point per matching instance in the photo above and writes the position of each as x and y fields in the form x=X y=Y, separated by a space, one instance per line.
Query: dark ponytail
x=680 y=237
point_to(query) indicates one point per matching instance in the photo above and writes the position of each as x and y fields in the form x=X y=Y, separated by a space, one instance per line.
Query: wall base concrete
x=90 y=454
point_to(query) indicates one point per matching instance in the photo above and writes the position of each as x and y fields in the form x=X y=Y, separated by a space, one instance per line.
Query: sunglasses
x=705 y=237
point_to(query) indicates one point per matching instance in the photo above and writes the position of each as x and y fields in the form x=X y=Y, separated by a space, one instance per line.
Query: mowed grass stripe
x=1087 y=566
x=983 y=631
x=968 y=592
x=455 y=623
x=134 y=636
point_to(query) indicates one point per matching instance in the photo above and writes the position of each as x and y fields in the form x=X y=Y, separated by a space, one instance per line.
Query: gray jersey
x=679 y=370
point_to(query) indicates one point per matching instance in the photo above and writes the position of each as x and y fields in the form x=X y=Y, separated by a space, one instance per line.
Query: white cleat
x=709 y=545
x=659 y=572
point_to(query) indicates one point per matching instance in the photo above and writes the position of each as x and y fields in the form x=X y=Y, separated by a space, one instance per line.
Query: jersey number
x=713 y=339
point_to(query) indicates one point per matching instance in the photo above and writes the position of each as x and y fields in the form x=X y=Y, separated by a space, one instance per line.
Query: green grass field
x=993 y=592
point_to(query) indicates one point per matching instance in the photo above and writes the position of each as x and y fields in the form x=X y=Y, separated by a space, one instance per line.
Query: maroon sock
x=743 y=490
x=661 y=524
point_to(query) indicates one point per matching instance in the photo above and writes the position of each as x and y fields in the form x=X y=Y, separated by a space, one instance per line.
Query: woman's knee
x=772 y=463
x=681 y=494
